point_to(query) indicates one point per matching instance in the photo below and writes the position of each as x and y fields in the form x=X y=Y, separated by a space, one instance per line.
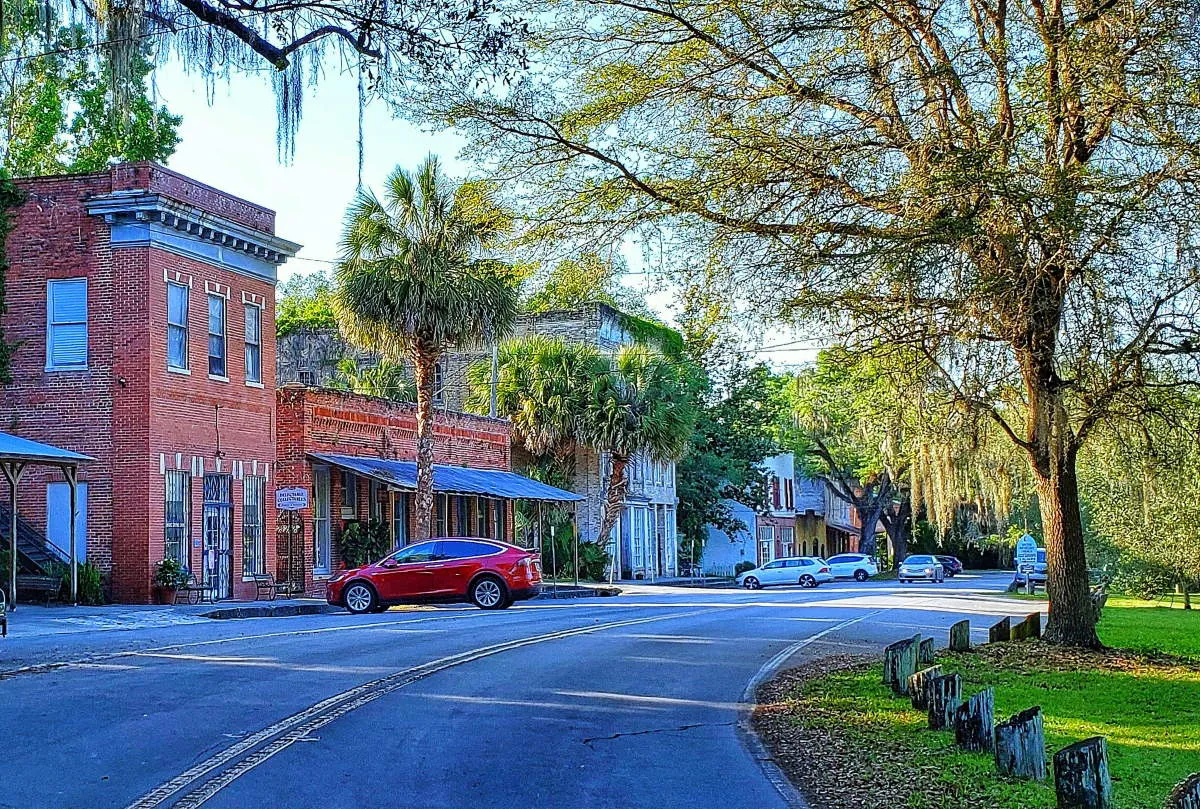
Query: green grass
x=1147 y=708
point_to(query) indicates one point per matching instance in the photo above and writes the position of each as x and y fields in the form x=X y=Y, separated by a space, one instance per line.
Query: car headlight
x=928 y=571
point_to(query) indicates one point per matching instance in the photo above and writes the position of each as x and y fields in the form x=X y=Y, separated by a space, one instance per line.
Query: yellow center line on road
x=236 y=760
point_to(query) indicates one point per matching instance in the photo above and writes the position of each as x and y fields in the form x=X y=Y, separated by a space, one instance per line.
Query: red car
x=490 y=574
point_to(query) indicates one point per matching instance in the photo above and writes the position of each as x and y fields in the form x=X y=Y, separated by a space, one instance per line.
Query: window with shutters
x=216 y=337
x=253 y=343
x=253 y=545
x=177 y=327
x=66 y=325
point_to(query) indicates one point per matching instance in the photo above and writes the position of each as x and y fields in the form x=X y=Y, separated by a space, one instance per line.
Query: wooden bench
x=46 y=585
x=193 y=592
x=266 y=588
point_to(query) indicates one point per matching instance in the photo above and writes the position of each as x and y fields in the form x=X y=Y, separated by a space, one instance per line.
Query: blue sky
x=230 y=143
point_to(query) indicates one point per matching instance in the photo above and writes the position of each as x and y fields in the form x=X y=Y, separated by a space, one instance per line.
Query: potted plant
x=169 y=576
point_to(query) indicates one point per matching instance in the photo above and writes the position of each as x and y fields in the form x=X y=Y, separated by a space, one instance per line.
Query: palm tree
x=543 y=387
x=646 y=405
x=413 y=279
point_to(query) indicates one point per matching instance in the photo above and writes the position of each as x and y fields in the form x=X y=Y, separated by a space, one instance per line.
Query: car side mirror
x=389 y=563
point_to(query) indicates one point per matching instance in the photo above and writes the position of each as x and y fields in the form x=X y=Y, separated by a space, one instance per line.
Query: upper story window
x=177 y=326
x=216 y=336
x=439 y=383
x=66 y=324
x=253 y=343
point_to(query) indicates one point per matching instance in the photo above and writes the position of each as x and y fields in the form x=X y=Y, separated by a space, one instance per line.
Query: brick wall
x=312 y=420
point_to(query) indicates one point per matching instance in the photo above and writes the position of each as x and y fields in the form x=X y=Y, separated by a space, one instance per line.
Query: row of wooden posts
x=1018 y=745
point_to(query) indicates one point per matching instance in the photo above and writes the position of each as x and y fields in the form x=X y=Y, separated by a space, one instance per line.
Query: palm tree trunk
x=615 y=497
x=423 y=362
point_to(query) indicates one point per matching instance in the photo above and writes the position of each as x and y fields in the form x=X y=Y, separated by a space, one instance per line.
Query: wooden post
x=945 y=694
x=925 y=652
x=1021 y=746
x=1081 y=778
x=918 y=686
x=960 y=637
x=1034 y=623
x=973 y=722
x=900 y=663
x=1186 y=794
x=1000 y=631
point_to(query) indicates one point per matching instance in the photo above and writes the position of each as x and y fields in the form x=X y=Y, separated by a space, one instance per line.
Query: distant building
x=802 y=517
x=645 y=539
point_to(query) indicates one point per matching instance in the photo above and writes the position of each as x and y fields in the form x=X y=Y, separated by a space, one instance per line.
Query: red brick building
x=142 y=304
x=355 y=455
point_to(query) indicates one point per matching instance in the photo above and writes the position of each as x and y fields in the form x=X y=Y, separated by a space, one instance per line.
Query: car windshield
x=918 y=560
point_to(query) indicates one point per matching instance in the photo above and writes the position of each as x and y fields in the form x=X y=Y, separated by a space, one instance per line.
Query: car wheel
x=808 y=581
x=360 y=597
x=751 y=583
x=861 y=575
x=487 y=593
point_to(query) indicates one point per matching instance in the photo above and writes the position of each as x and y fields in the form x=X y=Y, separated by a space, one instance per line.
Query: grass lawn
x=870 y=749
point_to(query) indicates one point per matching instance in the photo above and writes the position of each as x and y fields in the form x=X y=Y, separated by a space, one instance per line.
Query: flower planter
x=166 y=595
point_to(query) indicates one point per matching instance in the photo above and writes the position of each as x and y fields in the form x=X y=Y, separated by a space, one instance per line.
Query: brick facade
x=310 y=420
x=128 y=231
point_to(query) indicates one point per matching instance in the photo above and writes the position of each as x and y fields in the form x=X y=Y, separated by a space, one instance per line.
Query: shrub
x=91 y=585
x=362 y=543
x=593 y=561
x=742 y=567
x=168 y=573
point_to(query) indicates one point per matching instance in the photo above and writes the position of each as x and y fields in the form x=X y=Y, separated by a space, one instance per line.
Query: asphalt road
x=634 y=701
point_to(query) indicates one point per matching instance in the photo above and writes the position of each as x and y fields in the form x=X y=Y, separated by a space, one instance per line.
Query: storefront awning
x=450 y=479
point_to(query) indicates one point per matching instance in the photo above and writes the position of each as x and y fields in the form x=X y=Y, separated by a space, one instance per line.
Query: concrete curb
x=277 y=611
x=570 y=591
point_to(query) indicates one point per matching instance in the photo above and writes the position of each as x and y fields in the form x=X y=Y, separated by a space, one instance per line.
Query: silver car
x=921 y=568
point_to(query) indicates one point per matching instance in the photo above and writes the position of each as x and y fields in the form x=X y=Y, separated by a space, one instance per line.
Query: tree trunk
x=868 y=519
x=423 y=363
x=1072 y=618
x=614 y=497
x=898 y=525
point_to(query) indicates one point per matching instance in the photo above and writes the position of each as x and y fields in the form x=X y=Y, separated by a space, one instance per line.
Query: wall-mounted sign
x=293 y=499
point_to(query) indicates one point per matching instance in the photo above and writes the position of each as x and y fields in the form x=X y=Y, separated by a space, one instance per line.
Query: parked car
x=489 y=574
x=857 y=566
x=950 y=564
x=1032 y=570
x=806 y=571
x=921 y=568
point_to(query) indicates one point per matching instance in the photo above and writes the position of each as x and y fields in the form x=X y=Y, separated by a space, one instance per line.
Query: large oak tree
x=1007 y=187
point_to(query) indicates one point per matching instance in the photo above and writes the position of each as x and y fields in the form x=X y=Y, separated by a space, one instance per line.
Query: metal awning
x=450 y=479
x=15 y=448
x=16 y=453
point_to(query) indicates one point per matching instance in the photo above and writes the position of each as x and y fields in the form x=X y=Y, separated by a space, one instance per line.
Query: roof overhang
x=22 y=450
x=449 y=479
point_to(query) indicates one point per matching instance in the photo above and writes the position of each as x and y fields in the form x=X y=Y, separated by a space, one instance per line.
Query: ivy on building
x=647 y=332
x=10 y=198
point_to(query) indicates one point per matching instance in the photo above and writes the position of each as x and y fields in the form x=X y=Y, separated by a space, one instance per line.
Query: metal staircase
x=35 y=553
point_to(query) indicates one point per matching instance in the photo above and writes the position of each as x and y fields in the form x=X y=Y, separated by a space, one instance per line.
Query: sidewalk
x=33 y=620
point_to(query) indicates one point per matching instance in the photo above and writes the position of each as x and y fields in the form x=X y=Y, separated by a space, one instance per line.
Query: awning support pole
x=554 y=560
x=12 y=472
x=72 y=475
x=575 y=536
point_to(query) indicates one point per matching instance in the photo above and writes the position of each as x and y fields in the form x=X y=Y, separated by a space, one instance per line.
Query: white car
x=806 y=571
x=857 y=566
x=921 y=568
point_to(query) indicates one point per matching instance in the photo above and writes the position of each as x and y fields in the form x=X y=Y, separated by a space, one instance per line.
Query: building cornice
x=142 y=218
